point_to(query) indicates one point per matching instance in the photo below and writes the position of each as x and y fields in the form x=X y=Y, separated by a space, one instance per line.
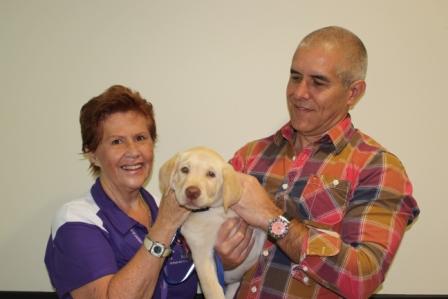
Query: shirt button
x=306 y=280
x=285 y=186
x=265 y=252
x=294 y=158
x=305 y=268
x=253 y=289
x=335 y=182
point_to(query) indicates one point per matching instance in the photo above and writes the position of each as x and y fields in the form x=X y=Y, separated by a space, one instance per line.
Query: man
x=334 y=202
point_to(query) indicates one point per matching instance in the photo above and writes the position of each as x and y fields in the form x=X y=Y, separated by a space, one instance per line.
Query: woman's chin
x=135 y=181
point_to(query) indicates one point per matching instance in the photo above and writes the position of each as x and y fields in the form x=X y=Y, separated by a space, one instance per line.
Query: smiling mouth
x=132 y=167
x=302 y=106
x=304 y=109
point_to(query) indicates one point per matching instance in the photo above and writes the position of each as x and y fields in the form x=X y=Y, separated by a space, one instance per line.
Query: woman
x=114 y=242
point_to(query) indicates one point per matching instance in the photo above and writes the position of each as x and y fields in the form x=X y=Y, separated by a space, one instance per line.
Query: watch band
x=155 y=248
x=287 y=216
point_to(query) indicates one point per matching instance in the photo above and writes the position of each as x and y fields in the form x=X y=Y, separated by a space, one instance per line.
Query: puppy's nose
x=192 y=192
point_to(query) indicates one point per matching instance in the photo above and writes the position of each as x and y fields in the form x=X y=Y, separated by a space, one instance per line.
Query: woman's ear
x=231 y=187
x=166 y=174
x=92 y=158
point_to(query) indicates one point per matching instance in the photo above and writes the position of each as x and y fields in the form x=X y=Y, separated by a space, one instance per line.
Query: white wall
x=216 y=72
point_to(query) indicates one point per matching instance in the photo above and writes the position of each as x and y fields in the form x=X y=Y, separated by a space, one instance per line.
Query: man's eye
x=211 y=174
x=116 y=141
x=185 y=170
x=295 y=78
x=318 y=83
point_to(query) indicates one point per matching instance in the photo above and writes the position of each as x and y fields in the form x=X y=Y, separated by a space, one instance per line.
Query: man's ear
x=231 y=187
x=356 y=91
x=166 y=174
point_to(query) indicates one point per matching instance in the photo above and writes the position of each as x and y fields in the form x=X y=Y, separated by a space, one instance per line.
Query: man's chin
x=301 y=127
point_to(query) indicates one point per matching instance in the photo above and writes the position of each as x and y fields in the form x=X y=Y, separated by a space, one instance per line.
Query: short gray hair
x=355 y=67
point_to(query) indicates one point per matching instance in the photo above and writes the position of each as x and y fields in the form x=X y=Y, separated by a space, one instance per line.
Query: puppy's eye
x=211 y=174
x=185 y=170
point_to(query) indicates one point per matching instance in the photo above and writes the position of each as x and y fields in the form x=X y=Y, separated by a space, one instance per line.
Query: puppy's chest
x=206 y=223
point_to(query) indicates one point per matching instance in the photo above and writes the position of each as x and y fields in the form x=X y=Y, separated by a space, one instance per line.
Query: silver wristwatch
x=155 y=248
x=278 y=227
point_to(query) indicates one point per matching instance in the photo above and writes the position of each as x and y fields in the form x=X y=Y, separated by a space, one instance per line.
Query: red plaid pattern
x=354 y=196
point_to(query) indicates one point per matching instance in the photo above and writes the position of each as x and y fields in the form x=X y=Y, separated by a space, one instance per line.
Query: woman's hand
x=170 y=217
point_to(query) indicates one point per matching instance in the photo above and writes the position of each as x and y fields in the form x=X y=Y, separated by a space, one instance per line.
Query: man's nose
x=301 y=90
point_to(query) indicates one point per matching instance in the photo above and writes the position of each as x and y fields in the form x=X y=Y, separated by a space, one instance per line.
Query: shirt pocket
x=324 y=199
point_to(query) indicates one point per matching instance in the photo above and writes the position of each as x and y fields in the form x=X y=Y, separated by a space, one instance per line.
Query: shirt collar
x=116 y=216
x=334 y=139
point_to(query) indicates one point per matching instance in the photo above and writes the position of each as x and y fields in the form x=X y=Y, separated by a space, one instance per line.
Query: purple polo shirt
x=91 y=237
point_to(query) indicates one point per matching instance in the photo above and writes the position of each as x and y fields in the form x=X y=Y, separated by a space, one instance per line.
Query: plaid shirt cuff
x=320 y=242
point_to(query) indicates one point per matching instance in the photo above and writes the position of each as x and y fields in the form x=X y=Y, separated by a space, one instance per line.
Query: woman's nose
x=132 y=149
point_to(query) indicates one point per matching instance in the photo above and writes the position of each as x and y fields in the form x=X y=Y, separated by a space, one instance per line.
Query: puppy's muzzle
x=192 y=193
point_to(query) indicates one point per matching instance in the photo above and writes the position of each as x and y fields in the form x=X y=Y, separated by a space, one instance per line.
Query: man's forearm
x=291 y=244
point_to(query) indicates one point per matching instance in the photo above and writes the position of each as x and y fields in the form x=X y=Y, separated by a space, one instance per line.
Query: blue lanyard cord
x=177 y=282
x=181 y=256
x=220 y=271
x=179 y=266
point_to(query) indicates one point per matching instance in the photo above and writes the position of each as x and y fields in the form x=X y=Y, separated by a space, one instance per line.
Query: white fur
x=215 y=186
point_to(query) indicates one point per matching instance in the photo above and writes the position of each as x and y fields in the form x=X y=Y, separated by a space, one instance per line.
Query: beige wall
x=216 y=72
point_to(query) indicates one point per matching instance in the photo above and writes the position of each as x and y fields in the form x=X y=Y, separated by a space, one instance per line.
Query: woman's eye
x=185 y=170
x=116 y=141
x=211 y=174
x=141 y=137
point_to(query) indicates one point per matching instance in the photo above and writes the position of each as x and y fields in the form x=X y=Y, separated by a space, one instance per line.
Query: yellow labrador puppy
x=204 y=182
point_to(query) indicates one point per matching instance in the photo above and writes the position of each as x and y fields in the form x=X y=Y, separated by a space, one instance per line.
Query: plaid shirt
x=354 y=197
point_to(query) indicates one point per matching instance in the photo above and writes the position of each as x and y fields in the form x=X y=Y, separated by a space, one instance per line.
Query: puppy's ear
x=166 y=174
x=231 y=187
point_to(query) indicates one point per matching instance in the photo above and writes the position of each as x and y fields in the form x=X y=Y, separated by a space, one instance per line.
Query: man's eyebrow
x=293 y=71
x=316 y=77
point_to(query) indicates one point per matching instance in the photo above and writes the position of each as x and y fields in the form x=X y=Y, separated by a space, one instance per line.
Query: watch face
x=278 y=228
x=157 y=249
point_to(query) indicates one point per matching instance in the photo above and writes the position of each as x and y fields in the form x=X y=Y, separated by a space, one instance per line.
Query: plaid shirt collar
x=334 y=139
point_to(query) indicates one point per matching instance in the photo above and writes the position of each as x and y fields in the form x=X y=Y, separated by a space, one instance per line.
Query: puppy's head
x=200 y=179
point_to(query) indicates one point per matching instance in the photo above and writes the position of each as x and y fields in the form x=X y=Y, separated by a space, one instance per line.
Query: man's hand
x=255 y=206
x=234 y=242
